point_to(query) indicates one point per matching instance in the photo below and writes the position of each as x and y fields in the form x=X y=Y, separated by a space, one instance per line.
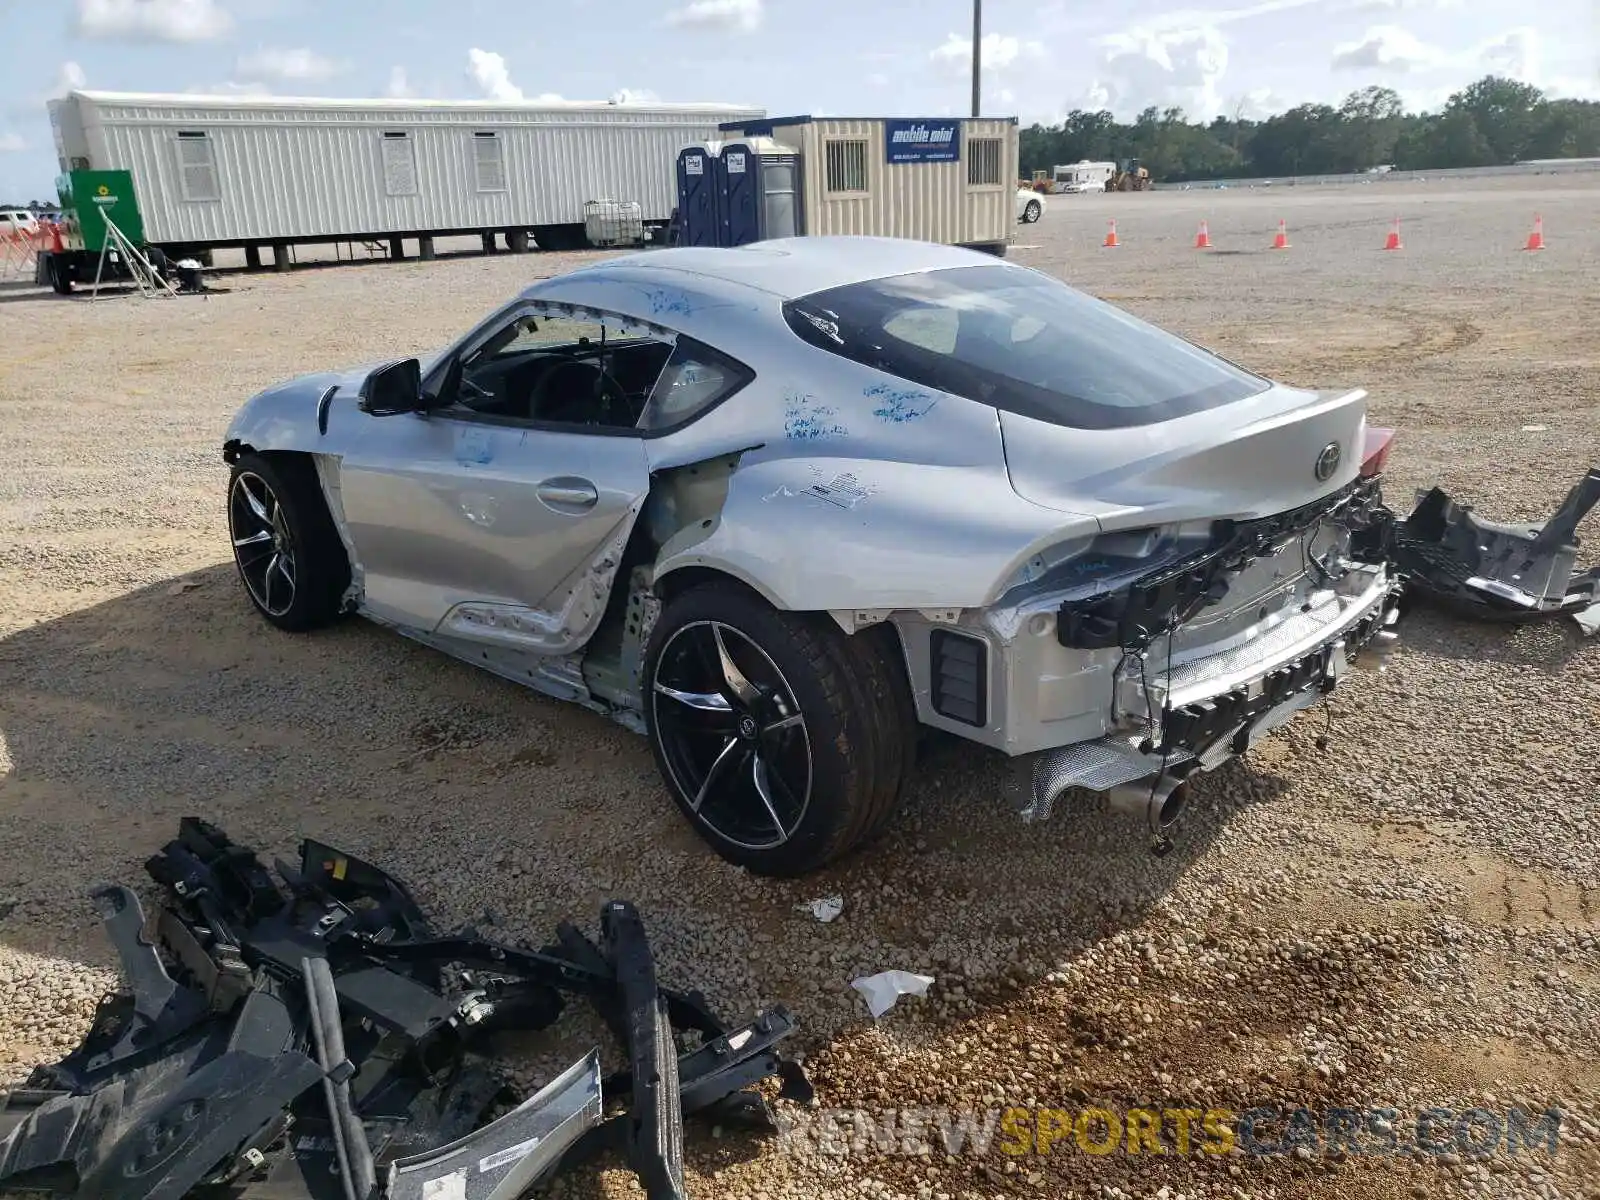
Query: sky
x=1043 y=58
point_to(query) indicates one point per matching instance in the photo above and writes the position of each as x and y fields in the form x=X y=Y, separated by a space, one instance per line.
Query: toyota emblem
x=1328 y=461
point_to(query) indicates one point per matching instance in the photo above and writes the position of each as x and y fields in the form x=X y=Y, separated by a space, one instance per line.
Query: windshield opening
x=1023 y=342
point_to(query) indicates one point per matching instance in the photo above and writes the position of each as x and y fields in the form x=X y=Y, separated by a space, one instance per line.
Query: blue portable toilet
x=761 y=191
x=700 y=195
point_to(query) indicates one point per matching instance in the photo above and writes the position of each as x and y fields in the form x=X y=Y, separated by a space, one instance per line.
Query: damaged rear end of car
x=1222 y=555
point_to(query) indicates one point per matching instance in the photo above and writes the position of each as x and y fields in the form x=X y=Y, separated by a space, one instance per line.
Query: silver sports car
x=779 y=506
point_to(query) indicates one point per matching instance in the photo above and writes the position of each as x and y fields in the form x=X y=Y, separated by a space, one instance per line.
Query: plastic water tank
x=613 y=223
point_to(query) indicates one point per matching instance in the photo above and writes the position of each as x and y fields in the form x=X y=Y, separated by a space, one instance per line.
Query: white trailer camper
x=1083 y=176
x=214 y=172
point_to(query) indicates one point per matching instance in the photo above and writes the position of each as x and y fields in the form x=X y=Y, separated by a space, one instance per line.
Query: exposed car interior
x=574 y=372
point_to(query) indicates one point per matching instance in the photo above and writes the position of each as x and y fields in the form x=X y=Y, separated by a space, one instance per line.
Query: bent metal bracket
x=315 y=1039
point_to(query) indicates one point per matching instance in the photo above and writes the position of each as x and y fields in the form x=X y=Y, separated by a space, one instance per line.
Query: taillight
x=1375 y=453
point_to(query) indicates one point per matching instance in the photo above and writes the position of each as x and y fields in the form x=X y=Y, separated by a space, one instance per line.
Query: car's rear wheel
x=290 y=559
x=784 y=742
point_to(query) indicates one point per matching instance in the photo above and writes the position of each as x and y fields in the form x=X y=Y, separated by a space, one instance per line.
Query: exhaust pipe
x=1157 y=799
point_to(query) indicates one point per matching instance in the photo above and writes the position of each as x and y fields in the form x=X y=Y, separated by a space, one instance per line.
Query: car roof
x=784 y=267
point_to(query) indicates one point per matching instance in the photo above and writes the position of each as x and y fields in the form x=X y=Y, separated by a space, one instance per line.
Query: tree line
x=1494 y=121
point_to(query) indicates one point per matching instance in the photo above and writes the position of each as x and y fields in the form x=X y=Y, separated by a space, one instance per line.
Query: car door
x=480 y=522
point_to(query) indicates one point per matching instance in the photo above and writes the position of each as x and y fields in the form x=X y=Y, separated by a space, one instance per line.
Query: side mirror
x=393 y=388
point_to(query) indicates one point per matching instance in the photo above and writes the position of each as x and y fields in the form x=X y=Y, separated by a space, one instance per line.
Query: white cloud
x=1185 y=19
x=1257 y=104
x=736 y=16
x=69 y=77
x=488 y=70
x=1516 y=53
x=1000 y=51
x=1393 y=5
x=398 y=87
x=1388 y=48
x=153 y=20
x=12 y=143
x=301 y=64
x=1145 y=66
x=634 y=96
x=231 y=87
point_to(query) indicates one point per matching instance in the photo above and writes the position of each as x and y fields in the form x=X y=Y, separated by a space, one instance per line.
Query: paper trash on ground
x=882 y=990
x=825 y=909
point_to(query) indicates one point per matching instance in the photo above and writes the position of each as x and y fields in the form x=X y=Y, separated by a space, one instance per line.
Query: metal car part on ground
x=780 y=506
x=1501 y=572
x=321 y=1041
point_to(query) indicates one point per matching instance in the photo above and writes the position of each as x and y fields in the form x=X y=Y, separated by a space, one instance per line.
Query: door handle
x=568 y=493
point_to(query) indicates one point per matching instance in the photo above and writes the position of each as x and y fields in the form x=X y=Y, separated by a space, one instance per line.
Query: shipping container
x=948 y=180
x=212 y=171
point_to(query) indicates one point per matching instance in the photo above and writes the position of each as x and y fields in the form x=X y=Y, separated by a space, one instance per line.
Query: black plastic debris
x=315 y=1039
x=1500 y=572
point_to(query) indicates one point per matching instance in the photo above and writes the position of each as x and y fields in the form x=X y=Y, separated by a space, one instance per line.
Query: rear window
x=1022 y=342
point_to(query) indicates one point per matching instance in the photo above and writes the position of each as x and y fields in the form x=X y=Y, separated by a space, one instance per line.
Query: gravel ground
x=1405 y=919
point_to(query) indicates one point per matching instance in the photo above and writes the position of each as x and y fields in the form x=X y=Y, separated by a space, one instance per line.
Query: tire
x=60 y=276
x=1030 y=212
x=824 y=720
x=517 y=241
x=284 y=537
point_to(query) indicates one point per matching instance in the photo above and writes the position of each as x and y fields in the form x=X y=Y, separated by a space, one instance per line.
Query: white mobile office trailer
x=214 y=171
x=947 y=179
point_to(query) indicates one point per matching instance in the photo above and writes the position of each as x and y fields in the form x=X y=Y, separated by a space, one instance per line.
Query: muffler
x=1156 y=799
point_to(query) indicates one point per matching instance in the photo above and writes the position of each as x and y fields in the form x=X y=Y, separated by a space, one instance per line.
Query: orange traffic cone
x=1536 y=238
x=1202 y=240
x=1393 y=240
x=1281 y=242
x=1111 y=234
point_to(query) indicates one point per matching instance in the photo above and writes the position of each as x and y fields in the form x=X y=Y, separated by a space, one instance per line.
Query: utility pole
x=977 y=55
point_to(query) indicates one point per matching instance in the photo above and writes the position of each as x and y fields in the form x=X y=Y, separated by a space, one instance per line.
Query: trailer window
x=399 y=164
x=983 y=162
x=489 y=162
x=847 y=165
x=197 y=168
x=1022 y=342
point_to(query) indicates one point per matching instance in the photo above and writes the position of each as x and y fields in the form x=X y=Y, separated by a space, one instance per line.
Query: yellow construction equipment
x=1129 y=177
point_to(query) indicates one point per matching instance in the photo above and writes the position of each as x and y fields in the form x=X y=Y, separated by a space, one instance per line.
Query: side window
x=590 y=370
x=197 y=166
x=695 y=378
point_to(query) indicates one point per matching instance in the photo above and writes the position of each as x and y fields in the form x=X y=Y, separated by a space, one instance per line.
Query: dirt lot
x=1409 y=918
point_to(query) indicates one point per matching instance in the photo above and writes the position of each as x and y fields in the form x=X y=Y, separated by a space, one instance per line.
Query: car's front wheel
x=289 y=555
x=1030 y=214
x=784 y=742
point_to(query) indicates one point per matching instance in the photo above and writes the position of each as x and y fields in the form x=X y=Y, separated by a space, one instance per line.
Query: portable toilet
x=761 y=195
x=699 y=195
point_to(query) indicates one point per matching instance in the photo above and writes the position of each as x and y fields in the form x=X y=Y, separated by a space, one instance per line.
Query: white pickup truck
x=17 y=222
